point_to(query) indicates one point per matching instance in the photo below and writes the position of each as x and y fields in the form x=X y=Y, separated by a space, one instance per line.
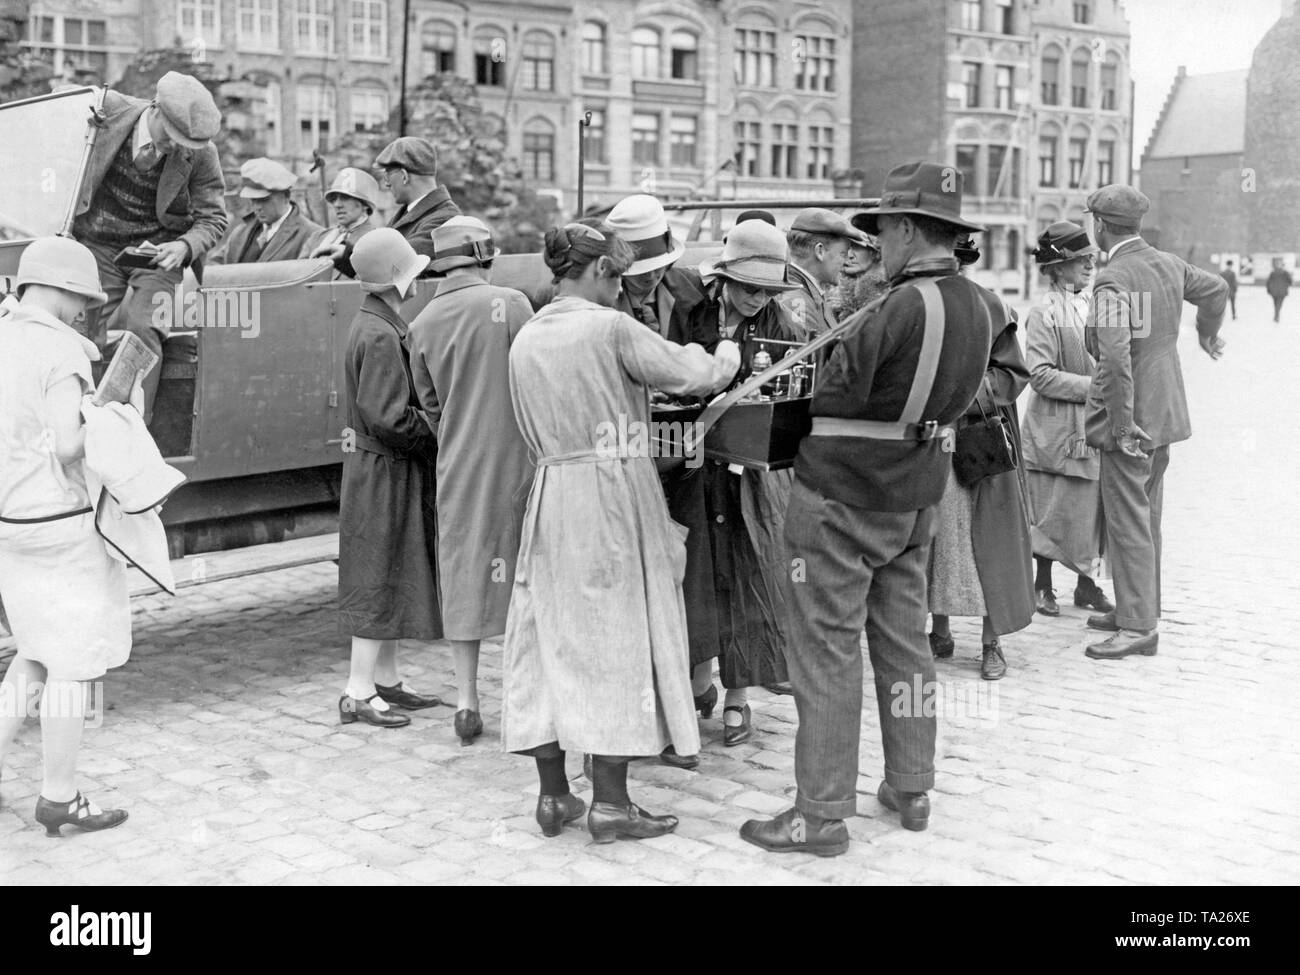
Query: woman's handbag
x=983 y=450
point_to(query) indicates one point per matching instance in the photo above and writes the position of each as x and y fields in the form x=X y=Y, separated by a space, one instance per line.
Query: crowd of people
x=476 y=502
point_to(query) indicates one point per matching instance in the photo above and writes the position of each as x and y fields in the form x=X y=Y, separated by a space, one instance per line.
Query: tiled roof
x=1204 y=116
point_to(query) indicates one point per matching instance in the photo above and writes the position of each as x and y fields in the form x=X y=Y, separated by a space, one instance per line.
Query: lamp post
x=583 y=123
x=401 y=99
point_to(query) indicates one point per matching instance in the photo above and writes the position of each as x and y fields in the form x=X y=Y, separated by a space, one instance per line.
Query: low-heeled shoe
x=912 y=807
x=669 y=756
x=406 y=699
x=993 y=666
x=1093 y=598
x=1124 y=643
x=782 y=687
x=55 y=815
x=469 y=725
x=706 y=702
x=1105 y=622
x=608 y=822
x=352 y=708
x=554 y=812
x=1045 y=602
x=737 y=734
x=941 y=647
x=793 y=832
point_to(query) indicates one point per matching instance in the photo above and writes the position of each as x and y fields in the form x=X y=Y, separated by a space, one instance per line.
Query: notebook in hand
x=131 y=360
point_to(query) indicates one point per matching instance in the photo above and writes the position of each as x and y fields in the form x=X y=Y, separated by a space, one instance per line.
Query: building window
x=684 y=47
x=645 y=53
x=490 y=60
x=271 y=120
x=814 y=68
x=369 y=109
x=970 y=79
x=596 y=150
x=1004 y=87
x=437 y=48
x=593 y=49
x=966 y=160
x=1109 y=86
x=1006 y=17
x=785 y=151
x=369 y=29
x=1105 y=163
x=315 y=27
x=1078 y=153
x=972 y=17
x=1079 y=80
x=756 y=58
x=316 y=111
x=199 y=20
x=682 y=137
x=645 y=139
x=1082 y=12
x=1013 y=248
x=539 y=152
x=1047 y=147
x=70 y=44
x=539 y=62
x=821 y=151
x=259 y=25
x=1051 y=80
x=995 y=182
x=749 y=147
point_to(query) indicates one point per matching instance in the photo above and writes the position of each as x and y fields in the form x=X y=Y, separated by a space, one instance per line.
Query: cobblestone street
x=221 y=735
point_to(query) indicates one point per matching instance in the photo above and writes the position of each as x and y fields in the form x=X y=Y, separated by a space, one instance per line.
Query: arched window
x=539 y=62
x=756 y=56
x=783 y=146
x=684 y=61
x=594 y=56
x=316 y=115
x=490 y=57
x=1049 y=155
x=749 y=144
x=814 y=62
x=821 y=147
x=645 y=53
x=437 y=48
x=539 y=150
x=1051 y=76
x=1079 y=79
x=1110 y=83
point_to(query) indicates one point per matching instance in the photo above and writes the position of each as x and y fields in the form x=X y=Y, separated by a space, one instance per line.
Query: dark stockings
x=609 y=780
x=552 y=778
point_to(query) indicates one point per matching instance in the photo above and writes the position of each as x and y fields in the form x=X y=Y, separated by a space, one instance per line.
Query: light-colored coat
x=460 y=363
x=1139 y=379
x=1053 y=430
x=596 y=649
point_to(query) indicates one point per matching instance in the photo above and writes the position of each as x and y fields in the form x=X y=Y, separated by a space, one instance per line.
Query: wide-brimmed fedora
x=640 y=220
x=753 y=254
x=921 y=188
x=1063 y=241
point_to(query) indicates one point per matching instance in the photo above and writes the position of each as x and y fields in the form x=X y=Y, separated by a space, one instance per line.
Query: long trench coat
x=388 y=580
x=595 y=650
x=738 y=598
x=999 y=510
x=460 y=361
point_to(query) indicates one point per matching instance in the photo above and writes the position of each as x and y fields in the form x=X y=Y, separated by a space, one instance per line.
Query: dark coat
x=676 y=295
x=291 y=242
x=1279 y=283
x=1000 y=510
x=417 y=225
x=388 y=580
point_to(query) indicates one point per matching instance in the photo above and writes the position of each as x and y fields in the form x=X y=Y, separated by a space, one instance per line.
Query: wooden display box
x=763 y=435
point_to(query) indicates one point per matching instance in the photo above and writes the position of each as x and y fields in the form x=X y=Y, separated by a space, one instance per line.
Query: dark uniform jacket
x=868 y=376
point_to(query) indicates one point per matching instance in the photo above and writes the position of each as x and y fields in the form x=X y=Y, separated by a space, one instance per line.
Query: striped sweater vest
x=123 y=212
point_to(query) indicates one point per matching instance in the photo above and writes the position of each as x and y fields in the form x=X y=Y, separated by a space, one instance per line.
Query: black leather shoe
x=1124 y=643
x=1045 y=602
x=607 y=822
x=55 y=815
x=352 y=708
x=781 y=687
x=669 y=756
x=793 y=832
x=994 y=665
x=941 y=647
x=406 y=699
x=1106 y=621
x=469 y=725
x=706 y=702
x=913 y=807
x=555 y=812
x=737 y=734
x=1093 y=598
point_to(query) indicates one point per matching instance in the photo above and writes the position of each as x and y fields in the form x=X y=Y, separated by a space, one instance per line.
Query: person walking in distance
x=1230 y=278
x=1278 y=287
x=1136 y=407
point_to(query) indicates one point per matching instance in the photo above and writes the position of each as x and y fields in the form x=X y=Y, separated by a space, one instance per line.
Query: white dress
x=65 y=596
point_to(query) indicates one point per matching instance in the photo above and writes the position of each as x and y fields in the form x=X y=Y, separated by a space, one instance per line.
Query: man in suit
x=275 y=229
x=861 y=517
x=410 y=167
x=819 y=246
x=153 y=177
x=1230 y=278
x=1136 y=406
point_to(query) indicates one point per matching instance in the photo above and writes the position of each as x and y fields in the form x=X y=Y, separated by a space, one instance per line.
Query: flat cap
x=188 y=112
x=262 y=177
x=1122 y=204
x=815 y=220
x=411 y=153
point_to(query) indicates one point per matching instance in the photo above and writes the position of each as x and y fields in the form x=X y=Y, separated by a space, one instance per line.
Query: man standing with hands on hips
x=1137 y=407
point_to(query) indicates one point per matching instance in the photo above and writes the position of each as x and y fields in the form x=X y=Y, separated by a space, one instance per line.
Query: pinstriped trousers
x=853 y=567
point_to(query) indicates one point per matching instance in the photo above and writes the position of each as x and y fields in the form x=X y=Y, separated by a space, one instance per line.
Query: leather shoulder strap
x=931 y=345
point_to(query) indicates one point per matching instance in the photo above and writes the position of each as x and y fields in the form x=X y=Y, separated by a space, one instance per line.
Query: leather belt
x=834 y=426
